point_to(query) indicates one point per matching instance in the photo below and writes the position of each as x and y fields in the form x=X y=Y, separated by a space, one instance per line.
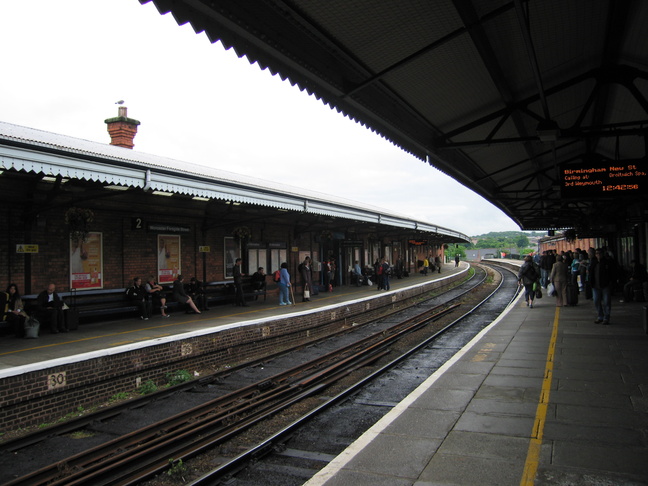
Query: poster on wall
x=231 y=254
x=168 y=258
x=86 y=262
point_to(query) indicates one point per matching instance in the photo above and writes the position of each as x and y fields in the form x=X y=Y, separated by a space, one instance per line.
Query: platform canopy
x=539 y=106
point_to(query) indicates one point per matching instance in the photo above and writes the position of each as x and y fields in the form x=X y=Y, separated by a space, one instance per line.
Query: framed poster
x=168 y=251
x=232 y=252
x=86 y=262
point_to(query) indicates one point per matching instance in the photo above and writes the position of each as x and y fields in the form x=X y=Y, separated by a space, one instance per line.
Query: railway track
x=147 y=451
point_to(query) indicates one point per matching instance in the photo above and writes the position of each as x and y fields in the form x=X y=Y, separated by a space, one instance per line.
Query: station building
x=88 y=215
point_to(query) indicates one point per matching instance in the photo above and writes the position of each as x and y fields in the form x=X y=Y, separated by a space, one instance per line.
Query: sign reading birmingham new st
x=604 y=178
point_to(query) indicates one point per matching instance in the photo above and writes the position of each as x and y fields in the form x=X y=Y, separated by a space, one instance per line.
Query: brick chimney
x=122 y=129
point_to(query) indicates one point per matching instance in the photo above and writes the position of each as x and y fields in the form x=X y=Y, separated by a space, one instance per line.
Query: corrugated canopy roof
x=31 y=150
x=469 y=85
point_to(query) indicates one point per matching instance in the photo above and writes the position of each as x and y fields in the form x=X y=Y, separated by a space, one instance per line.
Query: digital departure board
x=604 y=178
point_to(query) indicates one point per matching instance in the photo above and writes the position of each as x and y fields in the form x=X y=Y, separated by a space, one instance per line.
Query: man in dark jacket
x=602 y=276
x=50 y=309
x=238 y=283
x=140 y=297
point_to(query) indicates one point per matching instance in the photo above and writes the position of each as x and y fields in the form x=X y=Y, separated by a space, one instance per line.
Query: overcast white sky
x=65 y=63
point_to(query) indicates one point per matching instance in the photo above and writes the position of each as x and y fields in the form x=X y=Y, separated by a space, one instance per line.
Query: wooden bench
x=93 y=305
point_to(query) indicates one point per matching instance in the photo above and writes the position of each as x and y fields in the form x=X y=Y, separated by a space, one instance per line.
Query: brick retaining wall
x=37 y=396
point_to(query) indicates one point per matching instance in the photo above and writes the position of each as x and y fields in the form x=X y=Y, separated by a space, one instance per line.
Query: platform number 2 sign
x=137 y=223
x=56 y=380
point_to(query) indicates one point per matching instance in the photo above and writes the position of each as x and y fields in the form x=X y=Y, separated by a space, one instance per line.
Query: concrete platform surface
x=542 y=396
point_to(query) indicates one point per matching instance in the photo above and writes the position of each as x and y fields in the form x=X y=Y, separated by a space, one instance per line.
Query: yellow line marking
x=535 y=445
x=176 y=323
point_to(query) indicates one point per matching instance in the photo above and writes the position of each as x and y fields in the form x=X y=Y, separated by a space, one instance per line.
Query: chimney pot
x=122 y=129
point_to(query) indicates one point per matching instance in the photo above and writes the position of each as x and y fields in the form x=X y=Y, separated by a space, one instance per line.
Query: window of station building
x=257 y=257
x=277 y=257
x=374 y=253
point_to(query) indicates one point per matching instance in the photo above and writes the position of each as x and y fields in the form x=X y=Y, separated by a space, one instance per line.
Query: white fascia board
x=54 y=165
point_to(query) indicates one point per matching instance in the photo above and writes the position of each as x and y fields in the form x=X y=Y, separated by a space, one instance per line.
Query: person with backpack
x=284 y=285
x=527 y=276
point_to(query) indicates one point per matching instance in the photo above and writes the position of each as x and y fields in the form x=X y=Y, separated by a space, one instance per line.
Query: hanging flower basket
x=79 y=219
x=241 y=232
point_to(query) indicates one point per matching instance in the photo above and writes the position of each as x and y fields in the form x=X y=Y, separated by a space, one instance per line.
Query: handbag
x=306 y=294
x=551 y=290
x=32 y=326
x=536 y=289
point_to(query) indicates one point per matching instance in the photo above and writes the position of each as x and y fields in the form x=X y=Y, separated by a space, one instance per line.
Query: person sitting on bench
x=181 y=296
x=49 y=307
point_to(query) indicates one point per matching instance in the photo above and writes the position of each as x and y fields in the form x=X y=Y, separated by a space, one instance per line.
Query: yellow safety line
x=535 y=445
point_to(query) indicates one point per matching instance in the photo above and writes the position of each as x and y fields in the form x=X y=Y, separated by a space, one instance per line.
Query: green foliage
x=119 y=396
x=177 y=377
x=455 y=250
x=522 y=241
x=177 y=468
x=504 y=239
x=148 y=387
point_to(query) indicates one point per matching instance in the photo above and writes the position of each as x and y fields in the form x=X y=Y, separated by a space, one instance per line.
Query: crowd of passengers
x=48 y=311
x=594 y=272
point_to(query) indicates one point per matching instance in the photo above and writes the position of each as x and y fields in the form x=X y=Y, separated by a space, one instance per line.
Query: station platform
x=541 y=396
x=126 y=333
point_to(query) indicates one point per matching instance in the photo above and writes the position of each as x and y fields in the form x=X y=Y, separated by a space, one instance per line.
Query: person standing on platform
x=544 y=271
x=426 y=265
x=559 y=277
x=456 y=260
x=384 y=264
x=357 y=273
x=437 y=262
x=528 y=275
x=180 y=295
x=238 y=283
x=602 y=278
x=333 y=274
x=326 y=274
x=50 y=309
x=284 y=285
x=398 y=268
x=306 y=275
x=378 y=271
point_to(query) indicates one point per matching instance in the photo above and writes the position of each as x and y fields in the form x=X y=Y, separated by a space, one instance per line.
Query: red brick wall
x=31 y=399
